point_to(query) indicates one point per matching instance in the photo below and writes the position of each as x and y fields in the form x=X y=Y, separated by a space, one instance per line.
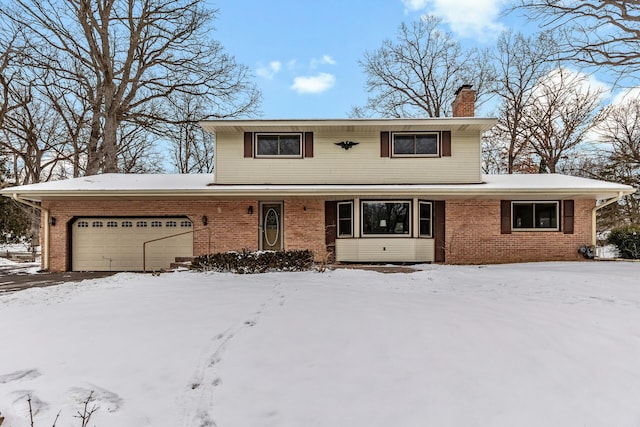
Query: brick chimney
x=465 y=103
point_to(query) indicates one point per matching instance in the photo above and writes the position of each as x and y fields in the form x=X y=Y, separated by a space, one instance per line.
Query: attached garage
x=129 y=244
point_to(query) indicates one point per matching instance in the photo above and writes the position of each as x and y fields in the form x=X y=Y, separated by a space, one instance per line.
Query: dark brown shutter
x=384 y=144
x=330 y=225
x=439 y=230
x=446 y=143
x=248 y=144
x=505 y=216
x=567 y=216
x=308 y=144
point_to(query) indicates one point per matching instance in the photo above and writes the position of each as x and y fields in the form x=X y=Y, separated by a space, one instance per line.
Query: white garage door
x=117 y=244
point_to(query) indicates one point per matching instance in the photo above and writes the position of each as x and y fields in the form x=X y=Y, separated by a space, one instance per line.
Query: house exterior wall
x=473 y=236
x=229 y=225
x=362 y=164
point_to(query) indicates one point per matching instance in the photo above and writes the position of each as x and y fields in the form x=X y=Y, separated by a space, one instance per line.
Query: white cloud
x=313 y=84
x=269 y=71
x=467 y=18
x=324 y=60
x=626 y=95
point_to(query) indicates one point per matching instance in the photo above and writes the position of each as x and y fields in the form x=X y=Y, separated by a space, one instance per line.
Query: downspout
x=45 y=243
x=593 y=215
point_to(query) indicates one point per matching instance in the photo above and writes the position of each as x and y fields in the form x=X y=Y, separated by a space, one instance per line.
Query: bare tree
x=192 y=148
x=595 y=32
x=620 y=127
x=520 y=62
x=563 y=110
x=417 y=75
x=127 y=56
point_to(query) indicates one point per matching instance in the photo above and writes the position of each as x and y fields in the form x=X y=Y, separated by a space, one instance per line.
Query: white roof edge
x=225 y=123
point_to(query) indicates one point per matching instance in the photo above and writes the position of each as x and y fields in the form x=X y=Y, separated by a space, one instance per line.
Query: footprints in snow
x=26 y=374
x=199 y=398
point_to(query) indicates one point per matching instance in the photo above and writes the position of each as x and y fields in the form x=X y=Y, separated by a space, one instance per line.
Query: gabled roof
x=182 y=186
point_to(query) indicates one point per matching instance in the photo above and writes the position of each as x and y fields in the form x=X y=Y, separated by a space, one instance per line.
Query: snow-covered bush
x=248 y=262
x=627 y=240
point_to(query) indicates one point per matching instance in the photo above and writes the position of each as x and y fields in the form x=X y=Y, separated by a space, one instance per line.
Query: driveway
x=17 y=277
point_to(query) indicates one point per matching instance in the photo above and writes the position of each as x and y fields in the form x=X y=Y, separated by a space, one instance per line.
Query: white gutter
x=593 y=215
x=45 y=243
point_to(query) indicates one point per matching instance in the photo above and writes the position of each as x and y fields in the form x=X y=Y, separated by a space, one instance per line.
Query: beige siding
x=385 y=250
x=361 y=164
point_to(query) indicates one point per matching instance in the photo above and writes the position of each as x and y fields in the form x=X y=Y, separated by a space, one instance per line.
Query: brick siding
x=229 y=225
x=472 y=228
x=473 y=236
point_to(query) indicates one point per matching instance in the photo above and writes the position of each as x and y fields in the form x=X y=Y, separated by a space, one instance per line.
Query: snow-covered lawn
x=551 y=344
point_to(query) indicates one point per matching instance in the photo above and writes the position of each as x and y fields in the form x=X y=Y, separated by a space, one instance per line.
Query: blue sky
x=304 y=54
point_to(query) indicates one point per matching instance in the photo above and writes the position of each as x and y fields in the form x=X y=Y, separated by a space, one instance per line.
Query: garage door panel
x=116 y=244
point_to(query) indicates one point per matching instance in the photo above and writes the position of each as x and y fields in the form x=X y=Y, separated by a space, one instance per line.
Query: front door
x=271 y=226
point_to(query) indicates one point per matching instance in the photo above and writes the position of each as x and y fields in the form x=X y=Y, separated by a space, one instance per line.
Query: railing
x=144 y=245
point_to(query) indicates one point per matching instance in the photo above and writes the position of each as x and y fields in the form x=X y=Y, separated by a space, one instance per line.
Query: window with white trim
x=388 y=218
x=425 y=213
x=279 y=145
x=423 y=144
x=345 y=219
x=535 y=216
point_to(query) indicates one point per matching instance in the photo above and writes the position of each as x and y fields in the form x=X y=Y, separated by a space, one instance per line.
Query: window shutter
x=446 y=143
x=308 y=144
x=330 y=222
x=505 y=217
x=248 y=144
x=439 y=230
x=384 y=144
x=567 y=216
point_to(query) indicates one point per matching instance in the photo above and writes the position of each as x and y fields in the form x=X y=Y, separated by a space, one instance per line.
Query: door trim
x=261 y=224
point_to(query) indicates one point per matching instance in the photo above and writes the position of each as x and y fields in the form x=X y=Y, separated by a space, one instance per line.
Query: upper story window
x=423 y=144
x=279 y=145
x=541 y=216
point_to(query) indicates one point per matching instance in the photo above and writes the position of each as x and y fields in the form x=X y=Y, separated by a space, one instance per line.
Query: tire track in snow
x=198 y=399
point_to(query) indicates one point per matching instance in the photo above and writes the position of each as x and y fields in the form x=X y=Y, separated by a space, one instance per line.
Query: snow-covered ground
x=549 y=344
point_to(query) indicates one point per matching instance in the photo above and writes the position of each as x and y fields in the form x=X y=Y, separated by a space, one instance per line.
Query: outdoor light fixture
x=250 y=210
x=52 y=221
x=346 y=144
x=205 y=220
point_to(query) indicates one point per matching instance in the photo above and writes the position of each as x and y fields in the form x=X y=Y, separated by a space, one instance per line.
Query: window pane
x=344 y=210
x=403 y=144
x=290 y=145
x=268 y=145
x=546 y=215
x=345 y=219
x=426 y=144
x=344 y=227
x=523 y=215
x=425 y=219
x=385 y=217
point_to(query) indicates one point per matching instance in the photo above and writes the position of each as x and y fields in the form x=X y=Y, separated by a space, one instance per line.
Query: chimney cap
x=463 y=87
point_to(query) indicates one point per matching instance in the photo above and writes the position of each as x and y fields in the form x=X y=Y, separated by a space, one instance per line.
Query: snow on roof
x=194 y=185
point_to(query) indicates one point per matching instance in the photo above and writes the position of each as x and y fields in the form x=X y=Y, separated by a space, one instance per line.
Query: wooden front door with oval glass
x=271 y=230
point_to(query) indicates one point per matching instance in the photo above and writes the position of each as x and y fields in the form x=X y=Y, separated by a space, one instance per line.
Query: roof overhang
x=183 y=187
x=458 y=124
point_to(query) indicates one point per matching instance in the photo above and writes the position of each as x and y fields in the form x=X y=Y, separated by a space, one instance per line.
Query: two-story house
x=355 y=190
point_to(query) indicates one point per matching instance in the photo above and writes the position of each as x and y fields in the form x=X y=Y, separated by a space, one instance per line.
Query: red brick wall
x=473 y=236
x=464 y=104
x=304 y=226
x=229 y=226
